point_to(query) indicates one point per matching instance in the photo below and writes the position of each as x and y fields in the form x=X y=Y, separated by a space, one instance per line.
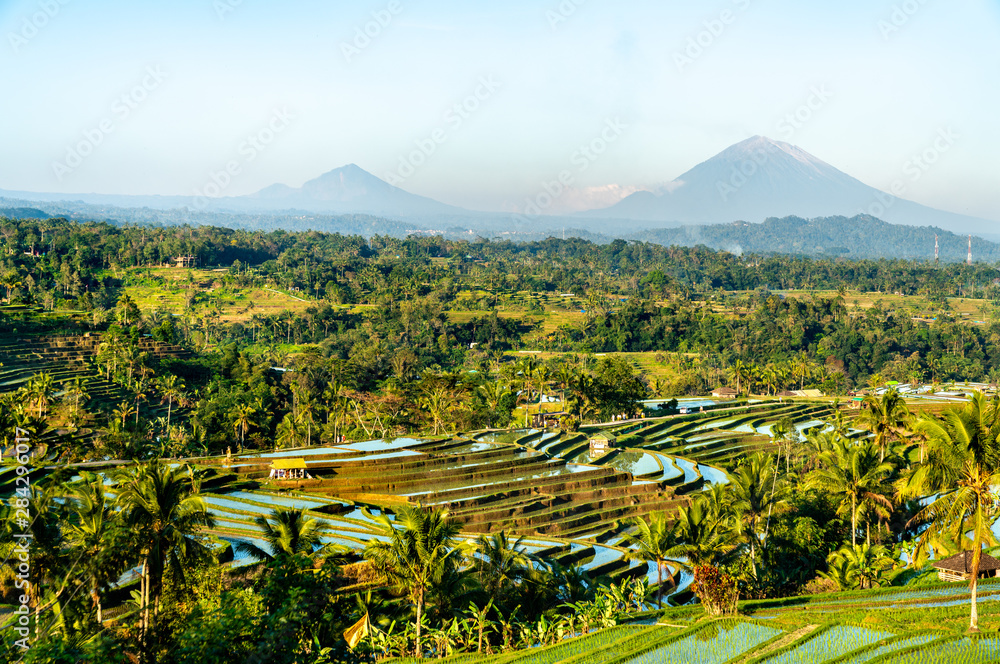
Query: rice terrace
x=525 y=332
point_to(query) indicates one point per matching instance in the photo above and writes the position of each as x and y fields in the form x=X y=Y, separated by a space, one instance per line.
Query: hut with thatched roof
x=959 y=567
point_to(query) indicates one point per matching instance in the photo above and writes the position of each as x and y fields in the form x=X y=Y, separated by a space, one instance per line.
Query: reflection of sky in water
x=690 y=471
x=713 y=475
x=505 y=436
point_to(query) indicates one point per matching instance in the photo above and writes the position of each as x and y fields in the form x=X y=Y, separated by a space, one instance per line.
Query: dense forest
x=423 y=336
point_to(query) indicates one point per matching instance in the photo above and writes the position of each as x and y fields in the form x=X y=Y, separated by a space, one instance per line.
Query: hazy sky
x=159 y=94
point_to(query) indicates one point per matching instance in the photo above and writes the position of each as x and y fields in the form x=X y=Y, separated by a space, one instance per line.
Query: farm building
x=601 y=443
x=725 y=393
x=289 y=469
x=959 y=567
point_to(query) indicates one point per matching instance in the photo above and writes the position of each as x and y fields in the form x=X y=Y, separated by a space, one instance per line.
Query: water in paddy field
x=310 y=451
x=508 y=437
x=689 y=468
x=282 y=501
x=681 y=403
x=224 y=505
x=473 y=447
x=670 y=469
x=637 y=463
x=386 y=455
x=381 y=444
x=713 y=475
x=715 y=644
x=603 y=555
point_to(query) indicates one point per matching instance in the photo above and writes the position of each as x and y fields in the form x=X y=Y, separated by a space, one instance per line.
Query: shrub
x=716 y=590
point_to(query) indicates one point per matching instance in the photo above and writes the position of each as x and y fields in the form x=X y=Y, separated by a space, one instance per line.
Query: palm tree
x=858 y=566
x=565 y=375
x=738 y=372
x=40 y=392
x=493 y=394
x=288 y=532
x=436 y=402
x=656 y=542
x=288 y=432
x=420 y=551
x=123 y=410
x=962 y=468
x=755 y=492
x=854 y=474
x=885 y=417
x=161 y=506
x=243 y=421
x=89 y=533
x=500 y=564
x=77 y=390
x=706 y=539
x=172 y=388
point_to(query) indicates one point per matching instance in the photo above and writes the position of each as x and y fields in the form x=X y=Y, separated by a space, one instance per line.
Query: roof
x=962 y=563
x=602 y=435
x=724 y=390
x=288 y=464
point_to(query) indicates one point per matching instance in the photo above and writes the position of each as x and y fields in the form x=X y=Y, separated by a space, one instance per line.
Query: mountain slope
x=760 y=178
x=346 y=189
x=857 y=237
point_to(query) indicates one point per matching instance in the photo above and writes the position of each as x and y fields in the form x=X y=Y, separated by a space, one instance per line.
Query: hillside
x=858 y=237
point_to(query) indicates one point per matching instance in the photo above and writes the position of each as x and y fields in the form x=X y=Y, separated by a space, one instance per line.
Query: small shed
x=725 y=393
x=601 y=443
x=857 y=403
x=959 y=567
x=289 y=469
x=547 y=420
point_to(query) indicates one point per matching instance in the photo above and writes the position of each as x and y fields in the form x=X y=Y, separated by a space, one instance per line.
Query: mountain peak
x=350 y=188
x=760 y=177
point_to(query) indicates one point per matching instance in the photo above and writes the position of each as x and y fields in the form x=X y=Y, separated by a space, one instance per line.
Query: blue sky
x=549 y=76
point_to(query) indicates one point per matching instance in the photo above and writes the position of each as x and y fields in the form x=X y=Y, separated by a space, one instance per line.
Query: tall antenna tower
x=970 y=251
x=935 y=248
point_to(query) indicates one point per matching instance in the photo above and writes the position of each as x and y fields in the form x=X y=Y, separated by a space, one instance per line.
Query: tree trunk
x=854 y=522
x=659 y=585
x=974 y=583
x=417 y=649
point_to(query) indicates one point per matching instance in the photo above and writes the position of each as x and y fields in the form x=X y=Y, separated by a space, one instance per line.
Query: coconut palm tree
x=421 y=549
x=962 y=468
x=172 y=388
x=123 y=410
x=89 y=533
x=243 y=421
x=493 y=394
x=858 y=566
x=885 y=417
x=436 y=402
x=500 y=564
x=40 y=392
x=288 y=532
x=161 y=506
x=707 y=540
x=657 y=542
x=854 y=474
x=754 y=493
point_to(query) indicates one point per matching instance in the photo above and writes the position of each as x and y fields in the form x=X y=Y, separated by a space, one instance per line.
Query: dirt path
x=781 y=643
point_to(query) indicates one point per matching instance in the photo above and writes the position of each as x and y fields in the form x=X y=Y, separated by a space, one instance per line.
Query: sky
x=480 y=104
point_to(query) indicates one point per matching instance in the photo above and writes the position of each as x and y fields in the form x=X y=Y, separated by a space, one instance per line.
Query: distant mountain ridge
x=857 y=237
x=750 y=181
x=348 y=189
x=761 y=178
